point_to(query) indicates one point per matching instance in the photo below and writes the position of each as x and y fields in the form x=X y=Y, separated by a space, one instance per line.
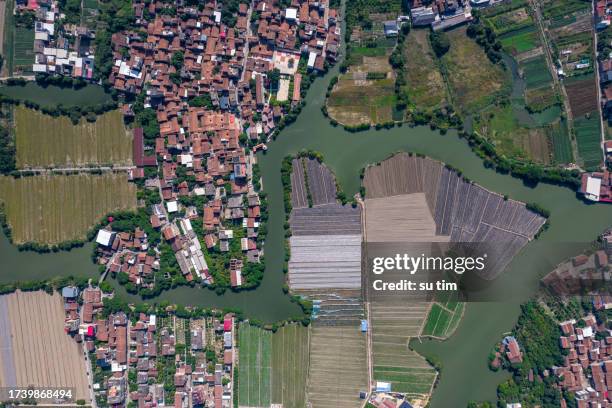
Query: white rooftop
x=105 y=237
x=593 y=188
x=172 y=206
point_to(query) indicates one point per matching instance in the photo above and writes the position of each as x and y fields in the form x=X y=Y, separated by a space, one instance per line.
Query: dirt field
x=582 y=96
x=356 y=99
x=338 y=367
x=43 y=140
x=474 y=80
x=402 y=218
x=36 y=351
x=52 y=209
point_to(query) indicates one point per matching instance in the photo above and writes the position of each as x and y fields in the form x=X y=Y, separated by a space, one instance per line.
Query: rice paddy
x=443 y=318
x=50 y=209
x=44 y=141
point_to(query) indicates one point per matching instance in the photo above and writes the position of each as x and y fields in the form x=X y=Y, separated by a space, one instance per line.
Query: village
x=218 y=93
x=147 y=360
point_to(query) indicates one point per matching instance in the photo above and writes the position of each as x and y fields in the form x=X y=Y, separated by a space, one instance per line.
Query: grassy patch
x=500 y=125
x=473 y=79
x=43 y=140
x=72 y=204
x=424 y=82
x=23 y=49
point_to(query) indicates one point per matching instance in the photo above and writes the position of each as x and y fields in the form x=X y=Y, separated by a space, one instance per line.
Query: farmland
x=443 y=318
x=356 y=99
x=582 y=95
x=474 y=81
x=587 y=130
x=338 y=366
x=23 y=49
x=35 y=349
x=44 y=141
x=255 y=348
x=562 y=147
x=393 y=324
x=290 y=366
x=72 y=204
x=424 y=82
x=500 y=125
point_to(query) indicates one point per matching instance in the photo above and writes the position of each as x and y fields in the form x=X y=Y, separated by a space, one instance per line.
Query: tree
x=439 y=42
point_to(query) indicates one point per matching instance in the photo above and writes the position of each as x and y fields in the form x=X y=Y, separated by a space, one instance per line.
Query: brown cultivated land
x=35 y=350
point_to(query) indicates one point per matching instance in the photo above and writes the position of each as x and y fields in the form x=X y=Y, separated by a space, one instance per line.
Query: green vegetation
x=473 y=80
x=290 y=357
x=587 y=130
x=537 y=333
x=443 y=318
x=254 y=370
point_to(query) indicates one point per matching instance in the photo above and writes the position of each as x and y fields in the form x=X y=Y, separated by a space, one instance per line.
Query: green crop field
x=553 y=9
x=520 y=42
x=444 y=316
x=72 y=204
x=255 y=351
x=290 y=356
x=23 y=49
x=562 y=148
x=536 y=72
x=588 y=138
x=42 y=140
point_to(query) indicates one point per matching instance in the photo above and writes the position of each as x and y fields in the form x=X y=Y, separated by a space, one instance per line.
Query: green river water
x=465 y=375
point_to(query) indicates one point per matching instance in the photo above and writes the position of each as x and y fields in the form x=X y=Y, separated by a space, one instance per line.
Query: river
x=465 y=375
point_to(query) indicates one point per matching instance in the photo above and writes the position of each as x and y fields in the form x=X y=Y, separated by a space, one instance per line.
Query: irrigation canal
x=465 y=375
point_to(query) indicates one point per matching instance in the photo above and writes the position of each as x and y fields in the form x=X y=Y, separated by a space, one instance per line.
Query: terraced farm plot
x=473 y=79
x=255 y=354
x=42 y=140
x=52 y=209
x=338 y=366
x=290 y=356
x=588 y=137
x=424 y=82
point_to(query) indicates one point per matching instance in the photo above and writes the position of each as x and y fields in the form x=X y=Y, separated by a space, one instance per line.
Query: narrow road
x=596 y=68
x=77 y=169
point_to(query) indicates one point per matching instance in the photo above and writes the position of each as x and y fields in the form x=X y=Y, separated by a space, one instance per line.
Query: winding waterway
x=465 y=375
